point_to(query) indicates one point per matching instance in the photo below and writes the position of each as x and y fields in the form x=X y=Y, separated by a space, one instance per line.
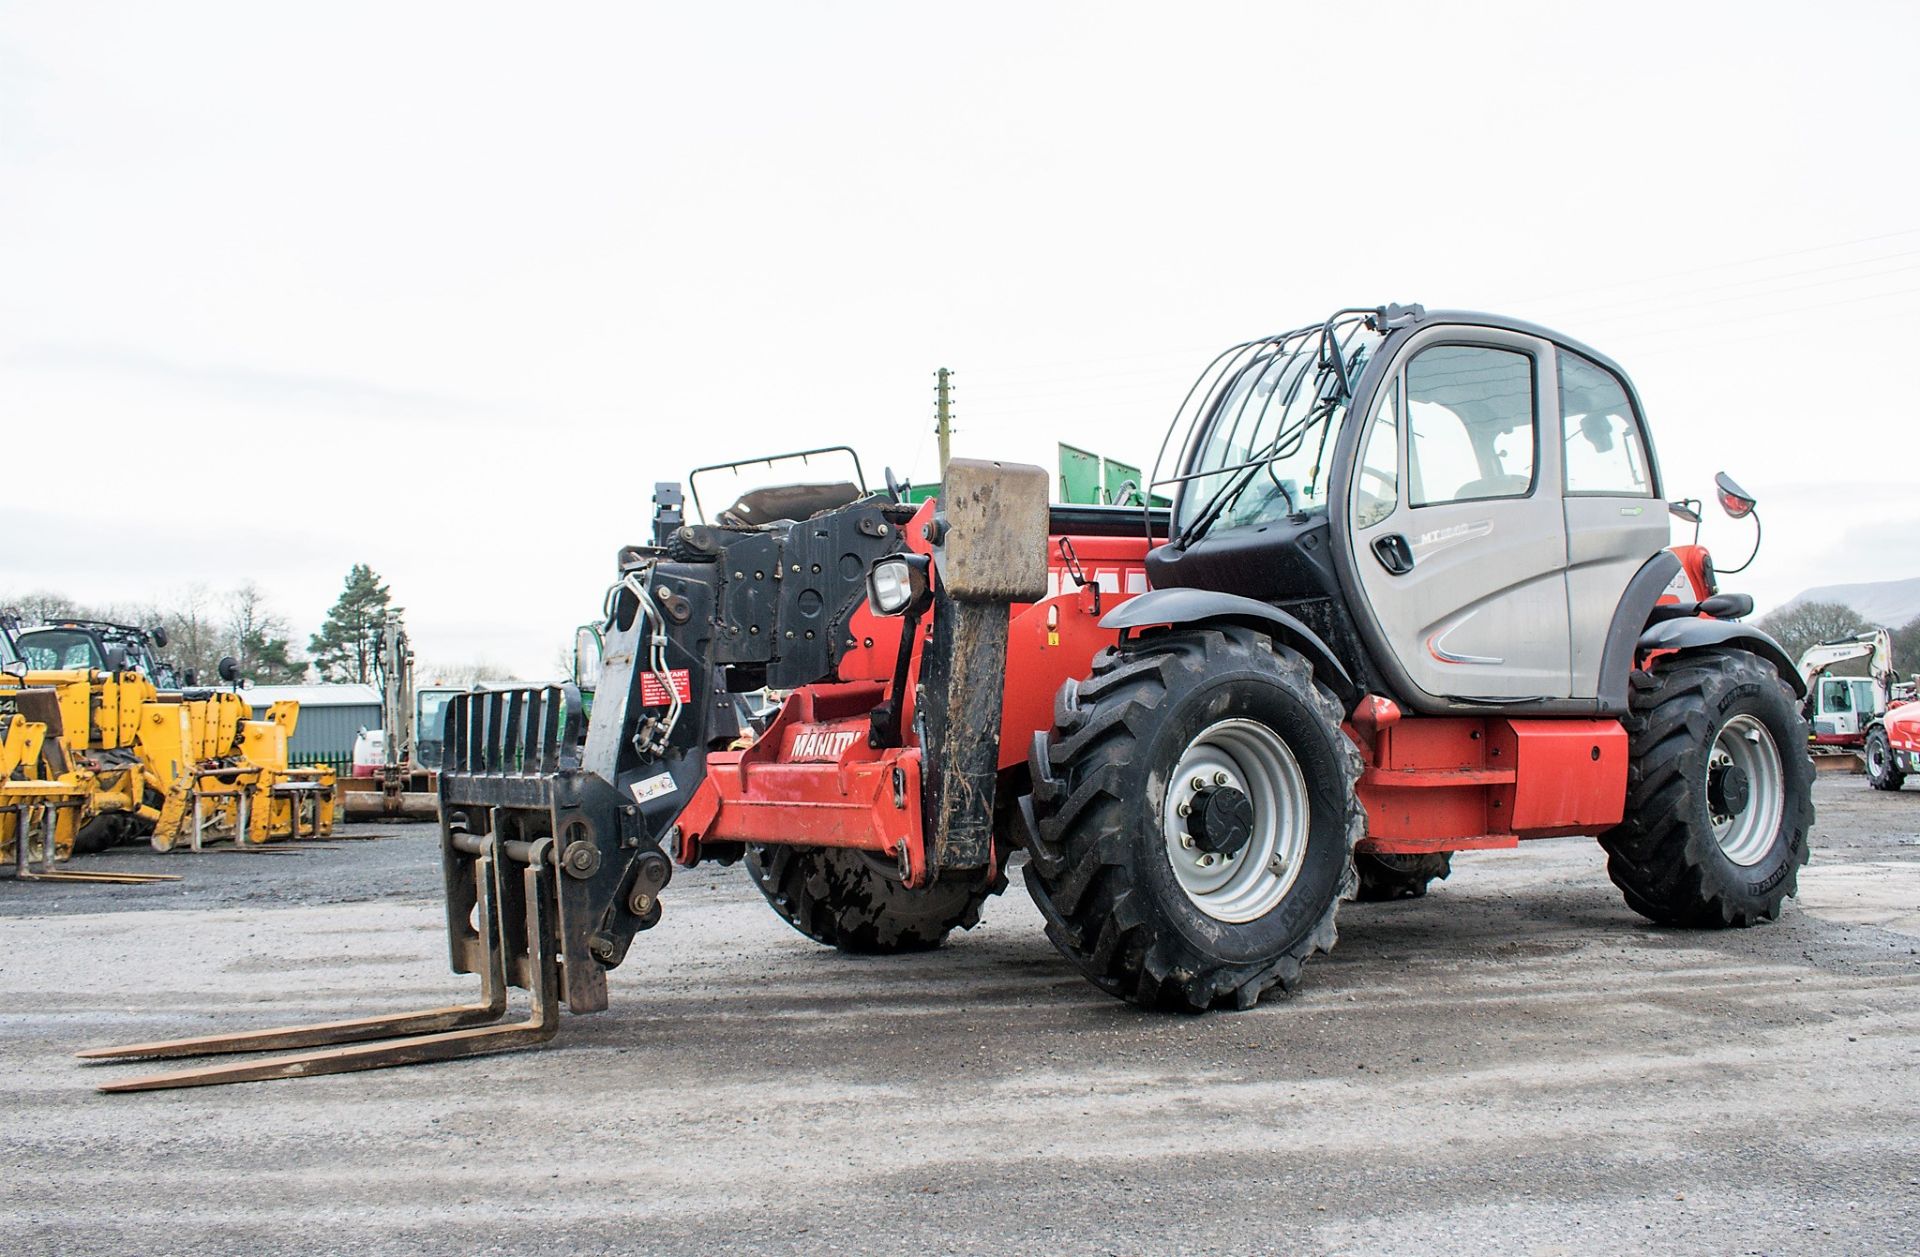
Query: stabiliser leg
x=432 y=1035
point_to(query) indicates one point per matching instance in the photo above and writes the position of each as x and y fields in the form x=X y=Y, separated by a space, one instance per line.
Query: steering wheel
x=895 y=489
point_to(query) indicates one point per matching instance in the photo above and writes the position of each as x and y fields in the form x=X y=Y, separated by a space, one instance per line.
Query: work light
x=1734 y=500
x=896 y=583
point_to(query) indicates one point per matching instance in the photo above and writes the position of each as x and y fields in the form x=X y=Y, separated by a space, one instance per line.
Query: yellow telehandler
x=168 y=765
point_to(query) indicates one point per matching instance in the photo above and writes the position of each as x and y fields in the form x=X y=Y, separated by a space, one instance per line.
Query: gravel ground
x=1515 y=1064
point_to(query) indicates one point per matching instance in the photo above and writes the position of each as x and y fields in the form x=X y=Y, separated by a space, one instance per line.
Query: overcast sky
x=446 y=288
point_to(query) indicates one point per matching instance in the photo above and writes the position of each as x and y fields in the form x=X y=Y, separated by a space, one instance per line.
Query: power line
x=1721 y=266
x=1668 y=332
x=1695 y=303
x=1760 y=279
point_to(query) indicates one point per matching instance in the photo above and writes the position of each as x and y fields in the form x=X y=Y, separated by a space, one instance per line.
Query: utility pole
x=943 y=425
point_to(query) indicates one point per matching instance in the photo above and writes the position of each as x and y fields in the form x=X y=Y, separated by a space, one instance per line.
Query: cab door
x=1834 y=713
x=1616 y=519
x=1458 y=532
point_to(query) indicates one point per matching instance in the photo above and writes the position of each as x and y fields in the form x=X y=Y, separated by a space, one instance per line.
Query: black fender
x=1622 y=648
x=1188 y=608
x=1700 y=633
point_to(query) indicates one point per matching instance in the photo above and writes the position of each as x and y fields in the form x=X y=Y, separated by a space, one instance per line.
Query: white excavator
x=1841 y=710
x=394 y=766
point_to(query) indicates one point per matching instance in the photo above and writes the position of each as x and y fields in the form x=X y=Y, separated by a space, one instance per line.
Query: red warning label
x=654 y=694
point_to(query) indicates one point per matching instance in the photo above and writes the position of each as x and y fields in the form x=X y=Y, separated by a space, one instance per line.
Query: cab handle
x=1394 y=553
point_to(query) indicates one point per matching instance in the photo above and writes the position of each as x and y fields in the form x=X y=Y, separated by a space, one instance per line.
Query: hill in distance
x=1889 y=602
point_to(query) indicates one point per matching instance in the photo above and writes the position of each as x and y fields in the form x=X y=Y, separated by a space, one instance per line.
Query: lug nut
x=1219 y=779
x=1186 y=840
x=1199 y=783
x=1206 y=861
x=1185 y=809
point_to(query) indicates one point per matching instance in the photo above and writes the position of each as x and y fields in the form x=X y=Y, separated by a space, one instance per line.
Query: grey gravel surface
x=1515 y=1064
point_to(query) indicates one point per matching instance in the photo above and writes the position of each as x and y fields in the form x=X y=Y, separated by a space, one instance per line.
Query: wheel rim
x=1245 y=884
x=1877 y=755
x=1745 y=828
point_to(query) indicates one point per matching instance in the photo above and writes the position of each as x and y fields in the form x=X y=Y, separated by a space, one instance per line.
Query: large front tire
x=857 y=902
x=1719 y=793
x=1196 y=814
x=1883 y=770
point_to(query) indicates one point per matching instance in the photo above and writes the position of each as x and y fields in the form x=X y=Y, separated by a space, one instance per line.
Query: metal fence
x=325 y=733
x=342 y=764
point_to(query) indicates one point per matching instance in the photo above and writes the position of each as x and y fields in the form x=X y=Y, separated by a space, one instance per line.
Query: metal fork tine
x=493 y=1005
x=113 y=879
x=539 y=1027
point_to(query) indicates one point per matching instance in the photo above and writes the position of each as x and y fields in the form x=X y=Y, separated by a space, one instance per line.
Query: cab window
x=1471 y=424
x=1378 y=490
x=59 y=651
x=1605 y=453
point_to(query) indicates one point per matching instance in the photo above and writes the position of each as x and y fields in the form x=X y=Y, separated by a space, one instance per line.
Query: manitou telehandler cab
x=1414 y=596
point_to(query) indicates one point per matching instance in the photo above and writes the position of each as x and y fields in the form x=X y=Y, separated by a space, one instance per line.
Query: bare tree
x=463 y=674
x=1906 y=647
x=194 y=639
x=1807 y=623
x=40 y=605
x=200 y=629
x=260 y=642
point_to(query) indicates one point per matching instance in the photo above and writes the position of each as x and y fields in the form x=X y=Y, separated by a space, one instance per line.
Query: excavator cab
x=1842 y=707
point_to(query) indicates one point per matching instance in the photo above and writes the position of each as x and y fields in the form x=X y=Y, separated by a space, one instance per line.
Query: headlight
x=896 y=583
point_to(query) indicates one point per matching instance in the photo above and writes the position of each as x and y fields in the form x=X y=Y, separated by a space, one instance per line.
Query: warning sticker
x=654 y=787
x=654 y=694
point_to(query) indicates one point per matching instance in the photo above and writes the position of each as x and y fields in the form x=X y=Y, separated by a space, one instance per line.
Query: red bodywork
x=1693 y=564
x=1430 y=783
x=785 y=789
x=1902 y=723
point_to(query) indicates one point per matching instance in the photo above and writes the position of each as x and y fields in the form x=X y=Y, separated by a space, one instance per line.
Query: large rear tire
x=1196 y=814
x=857 y=903
x=1883 y=771
x=1719 y=793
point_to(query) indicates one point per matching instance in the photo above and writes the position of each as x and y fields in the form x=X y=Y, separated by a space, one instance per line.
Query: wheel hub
x=1236 y=820
x=1746 y=790
x=1220 y=820
x=1728 y=789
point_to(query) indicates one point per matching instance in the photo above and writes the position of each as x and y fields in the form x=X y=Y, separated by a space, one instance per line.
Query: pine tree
x=343 y=648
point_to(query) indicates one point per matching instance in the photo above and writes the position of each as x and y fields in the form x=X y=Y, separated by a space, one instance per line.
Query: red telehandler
x=1414 y=596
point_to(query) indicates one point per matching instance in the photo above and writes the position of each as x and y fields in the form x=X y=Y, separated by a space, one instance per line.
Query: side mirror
x=229 y=670
x=16 y=669
x=1687 y=509
x=1735 y=501
x=159 y=635
x=113 y=656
